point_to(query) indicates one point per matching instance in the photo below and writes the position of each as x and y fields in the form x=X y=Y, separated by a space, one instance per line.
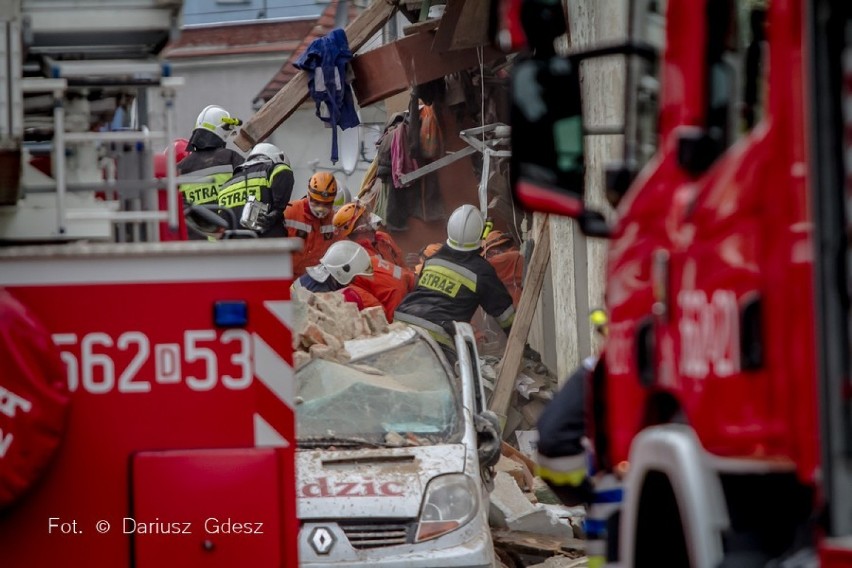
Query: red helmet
x=181 y=148
x=181 y=152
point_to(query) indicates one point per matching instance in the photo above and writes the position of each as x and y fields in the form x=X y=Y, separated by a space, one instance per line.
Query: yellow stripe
x=595 y=561
x=573 y=478
x=451 y=274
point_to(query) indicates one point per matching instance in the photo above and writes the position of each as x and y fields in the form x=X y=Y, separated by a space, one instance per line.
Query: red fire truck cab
x=724 y=390
x=146 y=405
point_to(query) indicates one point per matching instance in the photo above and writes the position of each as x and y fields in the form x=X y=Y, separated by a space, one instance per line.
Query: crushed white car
x=394 y=455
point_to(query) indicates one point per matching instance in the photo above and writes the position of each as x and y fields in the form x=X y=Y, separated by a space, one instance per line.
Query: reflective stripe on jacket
x=212 y=168
x=267 y=182
x=318 y=234
x=452 y=285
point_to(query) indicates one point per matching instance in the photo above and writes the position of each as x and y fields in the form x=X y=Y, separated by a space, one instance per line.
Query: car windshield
x=398 y=397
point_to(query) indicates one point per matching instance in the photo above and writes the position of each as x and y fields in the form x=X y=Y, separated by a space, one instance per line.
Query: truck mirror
x=547 y=164
x=593 y=224
x=619 y=176
x=696 y=149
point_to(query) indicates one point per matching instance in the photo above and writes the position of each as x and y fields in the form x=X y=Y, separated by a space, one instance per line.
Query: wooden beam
x=464 y=25
x=513 y=356
x=295 y=92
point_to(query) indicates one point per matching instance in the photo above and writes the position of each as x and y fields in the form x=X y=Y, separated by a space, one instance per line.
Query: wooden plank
x=295 y=92
x=513 y=356
x=419 y=27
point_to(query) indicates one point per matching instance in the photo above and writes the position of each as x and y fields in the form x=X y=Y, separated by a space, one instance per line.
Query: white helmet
x=216 y=120
x=343 y=261
x=271 y=151
x=464 y=229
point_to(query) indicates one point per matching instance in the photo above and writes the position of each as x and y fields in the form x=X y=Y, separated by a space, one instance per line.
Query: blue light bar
x=230 y=313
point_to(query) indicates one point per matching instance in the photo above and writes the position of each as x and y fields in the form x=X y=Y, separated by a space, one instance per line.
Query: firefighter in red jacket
x=310 y=219
x=337 y=271
x=390 y=284
x=454 y=282
x=354 y=221
x=391 y=280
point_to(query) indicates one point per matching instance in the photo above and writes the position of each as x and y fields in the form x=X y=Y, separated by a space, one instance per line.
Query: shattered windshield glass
x=402 y=396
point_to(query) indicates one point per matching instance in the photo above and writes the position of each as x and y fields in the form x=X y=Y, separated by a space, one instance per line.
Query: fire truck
x=723 y=394
x=146 y=388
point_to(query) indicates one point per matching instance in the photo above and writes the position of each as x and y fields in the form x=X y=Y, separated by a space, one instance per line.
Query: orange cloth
x=384 y=246
x=426 y=253
x=318 y=234
x=389 y=283
x=509 y=265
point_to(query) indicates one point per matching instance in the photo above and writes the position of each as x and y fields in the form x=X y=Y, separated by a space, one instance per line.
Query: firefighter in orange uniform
x=310 y=219
x=500 y=251
x=391 y=279
x=389 y=283
x=354 y=221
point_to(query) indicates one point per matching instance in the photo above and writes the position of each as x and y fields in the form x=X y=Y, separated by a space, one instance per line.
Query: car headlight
x=450 y=502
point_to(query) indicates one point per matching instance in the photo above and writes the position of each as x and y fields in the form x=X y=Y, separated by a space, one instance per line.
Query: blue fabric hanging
x=325 y=62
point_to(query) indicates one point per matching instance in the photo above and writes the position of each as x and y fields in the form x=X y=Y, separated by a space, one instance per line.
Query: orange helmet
x=322 y=187
x=347 y=217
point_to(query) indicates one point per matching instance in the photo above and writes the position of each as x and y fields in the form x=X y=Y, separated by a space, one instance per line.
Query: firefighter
x=266 y=177
x=354 y=221
x=310 y=219
x=507 y=260
x=209 y=160
x=567 y=466
x=336 y=272
x=454 y=282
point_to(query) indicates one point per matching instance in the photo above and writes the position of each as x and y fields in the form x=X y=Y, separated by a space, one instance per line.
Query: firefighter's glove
x=488 y=440
x=266 y=221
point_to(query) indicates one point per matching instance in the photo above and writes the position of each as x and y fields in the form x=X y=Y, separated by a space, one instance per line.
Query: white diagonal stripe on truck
x=266 y=436
x=273 y=371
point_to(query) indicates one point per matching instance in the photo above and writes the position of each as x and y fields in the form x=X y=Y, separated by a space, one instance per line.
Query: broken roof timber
x=463 y=25
x=295 y=92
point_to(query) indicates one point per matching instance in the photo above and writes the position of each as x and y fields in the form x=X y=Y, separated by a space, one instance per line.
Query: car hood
x=370 y=483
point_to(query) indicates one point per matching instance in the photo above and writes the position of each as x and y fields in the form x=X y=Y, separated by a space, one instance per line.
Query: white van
x=389 y=471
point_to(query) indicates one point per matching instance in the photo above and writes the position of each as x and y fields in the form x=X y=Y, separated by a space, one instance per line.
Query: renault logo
x=321 y=540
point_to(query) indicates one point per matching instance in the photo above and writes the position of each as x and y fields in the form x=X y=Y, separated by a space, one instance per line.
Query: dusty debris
x=538 y=544
x=507 y=501
x=323 y=322
x=518 y=470
x=563 y=562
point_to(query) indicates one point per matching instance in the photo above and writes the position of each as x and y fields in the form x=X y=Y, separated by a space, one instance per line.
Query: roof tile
x=240 y=38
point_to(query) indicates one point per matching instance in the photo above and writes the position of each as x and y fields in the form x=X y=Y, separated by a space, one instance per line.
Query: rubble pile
x=530 y=526
x=323 y=321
